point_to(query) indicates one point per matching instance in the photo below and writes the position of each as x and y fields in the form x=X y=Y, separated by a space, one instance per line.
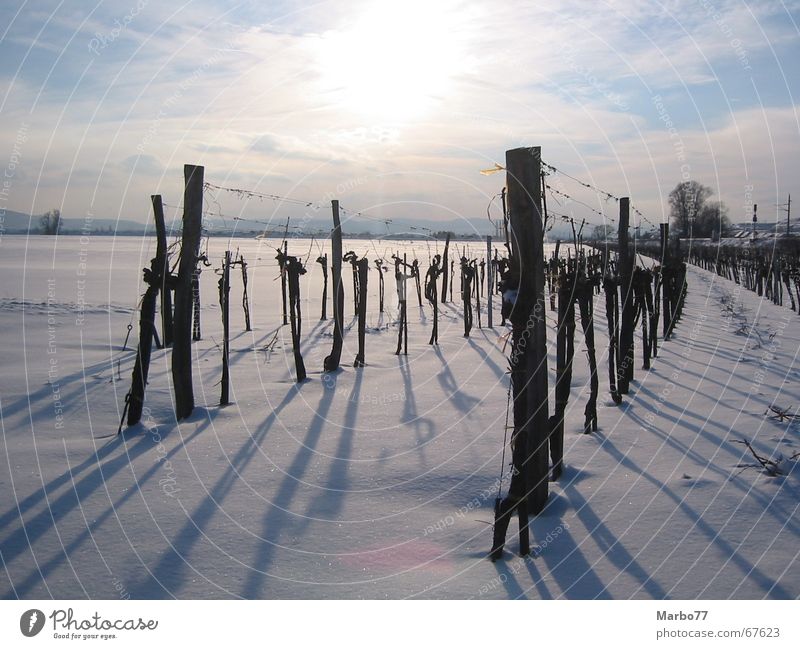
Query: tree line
x=692 y=213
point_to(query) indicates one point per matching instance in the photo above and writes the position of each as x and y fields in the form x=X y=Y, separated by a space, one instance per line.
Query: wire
x=608 y=195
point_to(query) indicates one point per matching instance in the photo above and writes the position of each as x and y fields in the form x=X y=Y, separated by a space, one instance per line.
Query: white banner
x=398 y=624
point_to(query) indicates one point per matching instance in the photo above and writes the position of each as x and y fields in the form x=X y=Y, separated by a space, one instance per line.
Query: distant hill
x=19 y=223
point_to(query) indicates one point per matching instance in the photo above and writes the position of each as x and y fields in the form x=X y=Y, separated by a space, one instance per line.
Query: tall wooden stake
x=445 y=268
x=529 y=482
x=626 y=331
x=363 y=268
x=224 y=303
x=665 y=278
x=162 y=267
x=294 y=268
x=190 y=247
x=146 y=330
x=489 y=277
x=283 y=282
x=332 y=360
x=323 y=261
x=245 y=298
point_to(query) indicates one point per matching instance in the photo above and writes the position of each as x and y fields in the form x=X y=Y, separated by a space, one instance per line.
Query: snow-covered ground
x=376 y=482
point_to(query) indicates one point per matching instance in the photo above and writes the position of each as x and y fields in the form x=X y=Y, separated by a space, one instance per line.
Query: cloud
x=248 y=92
x=143 y=164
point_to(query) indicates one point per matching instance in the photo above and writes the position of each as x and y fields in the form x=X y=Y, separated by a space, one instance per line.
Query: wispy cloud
x=123 y=94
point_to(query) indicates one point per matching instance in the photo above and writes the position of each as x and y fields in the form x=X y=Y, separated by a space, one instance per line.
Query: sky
x=394 y=108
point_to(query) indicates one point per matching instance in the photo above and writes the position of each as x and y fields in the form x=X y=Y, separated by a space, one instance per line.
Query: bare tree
x=50 y=222
x=602 y=232
x=686 y=202
x=712 y=220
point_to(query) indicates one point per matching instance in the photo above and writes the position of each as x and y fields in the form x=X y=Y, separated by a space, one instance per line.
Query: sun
x=395 y=61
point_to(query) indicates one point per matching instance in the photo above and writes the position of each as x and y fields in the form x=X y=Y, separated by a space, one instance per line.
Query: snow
x=376 y=482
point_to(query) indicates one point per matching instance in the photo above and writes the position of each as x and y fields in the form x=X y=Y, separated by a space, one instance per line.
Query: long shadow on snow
x=169 y=573
x=768 y=504
x=279 y=515
x=713 y=535
x=464 y=402
x=87 y=487
x=325 y=507
x=58 y=508
x=611 y=547
x=423 y=426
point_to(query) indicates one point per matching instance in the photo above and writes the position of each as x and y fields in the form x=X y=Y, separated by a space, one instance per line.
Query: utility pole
x=787 y=207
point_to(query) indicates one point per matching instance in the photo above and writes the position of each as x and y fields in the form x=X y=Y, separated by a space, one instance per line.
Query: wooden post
x=294 y=268
x=190 y=247
x=665 y=278
x=565 y=352
x=628 y=311
x=466 y=295
x=452 y=275
x=612 y=317
x=476 y=283
x=405 y=307
x=224 y=303
x=432 y=296
x=332 y=360
x=379 y=266
x=489 y=276
x=162 y=268
x=529 y=482
x=283 y=280
x=415 y=273
x=245 y=298
x=363 y=268
x=323 y=261
x=196 y=334
x=586 y=305
x=445 y=268
x=146 y=330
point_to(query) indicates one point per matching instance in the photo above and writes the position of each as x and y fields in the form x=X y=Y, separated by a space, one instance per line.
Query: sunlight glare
x=395 y=60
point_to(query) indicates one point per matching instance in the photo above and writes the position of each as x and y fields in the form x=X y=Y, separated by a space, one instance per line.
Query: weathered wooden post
x=363 y=268
x=141 y=367
x=466 y=294
x=628 y=310
x=351 y=257
x=379 y=266
x=405 y=305
x=529 y=482
x=665 y=278
x=432 y=296
x=294 y=268
x=565 y=352
x=332 y=360
x=162 y=267
x=452 y=275
x=323 y=261
x=586 y=305
x=196 y=333
x=283 y=277
x=641 y=287
x=415 y=275
x=245 y=298
x=190 y=247
x=612 y=317
x=224 y=303
x=445 y=267
x=655 y=310
x=489 y=276
x=476 y=283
